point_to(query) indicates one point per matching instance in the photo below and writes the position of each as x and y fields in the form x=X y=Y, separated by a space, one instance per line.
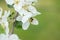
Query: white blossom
x=26 y=25
x=26 y=20
x=26 y=12
x=9 y=37
x=20 y=4
x=4 y=20
x=17 y=4
x=33 y=10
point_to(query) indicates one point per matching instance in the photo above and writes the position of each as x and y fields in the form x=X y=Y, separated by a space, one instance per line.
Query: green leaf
x=1 y=29
x=18 y=24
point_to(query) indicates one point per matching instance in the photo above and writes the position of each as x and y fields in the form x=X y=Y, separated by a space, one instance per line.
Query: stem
x=12 y=30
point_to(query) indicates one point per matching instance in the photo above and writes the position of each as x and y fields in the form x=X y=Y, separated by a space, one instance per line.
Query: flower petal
x=34 y=22
x=3 y=37
x=23 y=12
x=26 y=17
x=13 y=37
x=5 y=22
x=33 y=10
x=10 y=37
x=25 y=26
x=6 y=28
x=18 y=6
x=10 y=2
x=19 y=18
x=6 y=13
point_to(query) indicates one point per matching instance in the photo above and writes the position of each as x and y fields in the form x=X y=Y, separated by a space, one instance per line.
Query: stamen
x=16 y=1
x=25 y=7
x=31 y=19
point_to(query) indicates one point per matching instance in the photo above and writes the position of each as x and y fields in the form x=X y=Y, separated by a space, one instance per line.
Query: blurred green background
x=49 y=22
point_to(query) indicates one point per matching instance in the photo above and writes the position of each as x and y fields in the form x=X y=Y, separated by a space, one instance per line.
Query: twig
x=12 y=30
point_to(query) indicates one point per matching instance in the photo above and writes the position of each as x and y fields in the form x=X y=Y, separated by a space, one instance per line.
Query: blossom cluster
x=4 y=22
x=26 y=12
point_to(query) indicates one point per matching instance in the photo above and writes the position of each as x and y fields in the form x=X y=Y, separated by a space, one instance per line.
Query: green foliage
x=10 y=6
x=18 y=24
x=1 y=29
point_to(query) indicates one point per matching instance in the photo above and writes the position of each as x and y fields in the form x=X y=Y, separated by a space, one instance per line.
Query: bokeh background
x=49 y=22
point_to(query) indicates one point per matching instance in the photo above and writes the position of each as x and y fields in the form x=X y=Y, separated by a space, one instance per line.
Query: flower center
x=16 y=1
x=31 y=19
x=25 y=7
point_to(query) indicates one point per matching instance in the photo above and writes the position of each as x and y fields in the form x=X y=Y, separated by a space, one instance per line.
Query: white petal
x=33 y=10
x=13 y=37
x=10 y=2
x=26 y=17
x=23 y=12
x=25 y=26
x=5 y=22
x=19 y=18
x=10 y=37
x=18 y=6
x=6 y=13
x=34 y=22
x=6 y=28
x=3 y=37
x=1 y=12
x=4 y=19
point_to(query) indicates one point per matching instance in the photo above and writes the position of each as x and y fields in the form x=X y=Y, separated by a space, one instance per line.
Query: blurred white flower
x=5 y=24
x=33 y=21
x=24 y=6
x=30 y=12
x=17 y=4
x=26 y=12
x=33 y=10
x=25 y=25
x=25 y=15
x=9 y=37
x=20 y=4
x=4 y=20
x=28 y=17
